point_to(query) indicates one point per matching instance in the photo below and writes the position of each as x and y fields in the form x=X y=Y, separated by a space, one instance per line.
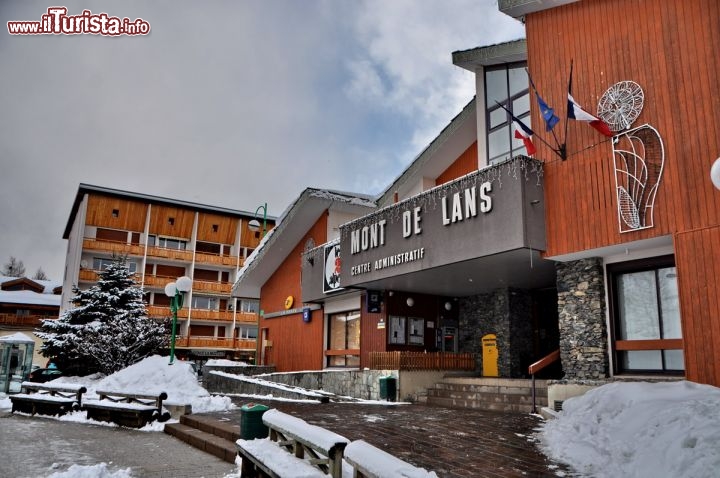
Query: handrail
x=539 y=365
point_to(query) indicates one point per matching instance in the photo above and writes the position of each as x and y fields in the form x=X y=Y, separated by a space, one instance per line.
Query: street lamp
x=176 y=291
x=254 y=224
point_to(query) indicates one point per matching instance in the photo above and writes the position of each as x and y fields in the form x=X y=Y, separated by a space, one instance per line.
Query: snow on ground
x=639 y=429
x=226 y=363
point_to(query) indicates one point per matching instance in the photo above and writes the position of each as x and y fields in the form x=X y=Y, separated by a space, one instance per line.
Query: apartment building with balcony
x=164 y=239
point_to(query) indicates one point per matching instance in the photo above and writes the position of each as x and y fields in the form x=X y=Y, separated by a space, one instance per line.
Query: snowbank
x=639 y=429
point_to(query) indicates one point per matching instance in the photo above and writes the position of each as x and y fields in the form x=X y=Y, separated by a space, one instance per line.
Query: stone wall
x=581 y=310
x=240 y=370
x=505 y=313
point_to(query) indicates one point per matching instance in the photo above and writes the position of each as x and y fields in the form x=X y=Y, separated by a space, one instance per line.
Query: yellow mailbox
x=489 y=356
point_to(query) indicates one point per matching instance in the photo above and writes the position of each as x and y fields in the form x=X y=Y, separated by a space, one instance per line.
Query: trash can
x=251 y=425
x=388 y=388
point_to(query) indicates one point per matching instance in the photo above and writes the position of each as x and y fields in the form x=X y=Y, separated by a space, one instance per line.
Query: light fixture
x=254 y=224
x=176 y=291
x=715 y=173
x=448 y=306
x=410 y=301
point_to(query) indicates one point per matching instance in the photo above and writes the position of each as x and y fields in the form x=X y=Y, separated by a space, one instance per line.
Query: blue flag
x=547 y=113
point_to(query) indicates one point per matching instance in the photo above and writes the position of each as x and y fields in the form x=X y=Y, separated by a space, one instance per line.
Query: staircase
x=214 y=436
x=497 y=394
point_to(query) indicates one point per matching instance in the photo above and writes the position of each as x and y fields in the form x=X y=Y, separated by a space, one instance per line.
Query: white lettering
x=417 y=228
x=457 y=208
x=485 y=200
x=470 y=203
x=446 y=219
x=354 y=242
x=406 y=224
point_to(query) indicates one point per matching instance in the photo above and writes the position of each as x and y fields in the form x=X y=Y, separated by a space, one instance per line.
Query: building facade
x=164 y=239
x=596 y=241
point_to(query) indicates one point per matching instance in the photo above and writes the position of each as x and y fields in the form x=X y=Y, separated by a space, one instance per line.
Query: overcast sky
x=226 y=103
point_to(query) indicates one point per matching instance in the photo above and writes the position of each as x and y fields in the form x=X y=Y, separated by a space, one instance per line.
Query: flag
x=524 y=133
x=577 y=113
x=547 y=113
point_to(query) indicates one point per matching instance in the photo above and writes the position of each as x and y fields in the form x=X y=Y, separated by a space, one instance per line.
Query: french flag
x=525 y=134
x=577 y=113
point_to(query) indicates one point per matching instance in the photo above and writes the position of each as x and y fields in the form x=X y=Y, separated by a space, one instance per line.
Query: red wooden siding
x=372 y=339
x=300 y=344
x=670 y=50
x=466 y=163
x=697 y=255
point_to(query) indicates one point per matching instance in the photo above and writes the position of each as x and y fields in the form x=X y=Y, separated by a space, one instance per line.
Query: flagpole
x=563 y=148
x=535 y=135
x=532 y=83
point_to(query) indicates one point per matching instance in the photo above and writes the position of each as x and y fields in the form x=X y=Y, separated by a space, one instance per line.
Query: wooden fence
x=422 y=361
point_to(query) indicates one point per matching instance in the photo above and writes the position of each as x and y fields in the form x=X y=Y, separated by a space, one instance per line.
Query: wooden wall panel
x=226 y=228
x=250 y=238
x=160 y=221
x=297 y=345
x=466 y=163
x=669 y=49
x=131 y=215
x=698 y=265
x=372 y=339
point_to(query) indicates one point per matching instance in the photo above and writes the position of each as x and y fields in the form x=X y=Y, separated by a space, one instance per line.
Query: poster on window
x=396 y=334
x=331 y=274
x=417 y=331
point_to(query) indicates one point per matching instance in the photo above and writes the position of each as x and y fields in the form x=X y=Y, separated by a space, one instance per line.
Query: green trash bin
x=388 y=388
x=251 y=424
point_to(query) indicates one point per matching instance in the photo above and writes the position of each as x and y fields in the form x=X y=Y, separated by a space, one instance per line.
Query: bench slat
x=373 y=462
x=275 y=461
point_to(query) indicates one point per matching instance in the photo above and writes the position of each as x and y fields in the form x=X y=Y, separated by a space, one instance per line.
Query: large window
x=646 y=313
x=167 y=243
x=102 y=263
x=505 y=85
x=344 y=339
x=207 y=303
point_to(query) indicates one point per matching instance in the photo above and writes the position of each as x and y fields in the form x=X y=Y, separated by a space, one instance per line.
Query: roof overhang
x=476 y=59
x=293 y=225
x=519 y=8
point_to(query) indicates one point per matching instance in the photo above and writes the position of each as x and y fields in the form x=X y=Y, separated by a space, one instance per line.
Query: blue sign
x=307 y=314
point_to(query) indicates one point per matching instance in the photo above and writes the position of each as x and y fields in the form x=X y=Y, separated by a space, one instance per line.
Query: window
x=208 y=247
x=167 y=243
x=102 y=263
x=207 y=303
x=214 y=228
x=115 y=213
x=344 y=335
x=247 y=332
x=417 y=331
x=646 y=316
x=171 y=221
x=508 y=86
x=396 y=333
x=249 y=306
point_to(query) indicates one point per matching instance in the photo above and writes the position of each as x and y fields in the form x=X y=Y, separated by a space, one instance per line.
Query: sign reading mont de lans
x=494 y=210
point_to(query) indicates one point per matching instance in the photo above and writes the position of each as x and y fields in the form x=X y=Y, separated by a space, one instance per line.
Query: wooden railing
x=113 y=246
x=212 y=342
x=224 y=315
x=157 y=281
x=246 y=317
x=160 y=312
x=88 y=275
x=216 y=287
x=421 y=361
x=209 y=258
x=534 y=368
x=24 y=320
x=177 y=254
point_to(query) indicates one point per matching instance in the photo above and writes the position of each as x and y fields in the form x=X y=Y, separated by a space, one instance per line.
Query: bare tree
x=14 y=268
x=40 y=275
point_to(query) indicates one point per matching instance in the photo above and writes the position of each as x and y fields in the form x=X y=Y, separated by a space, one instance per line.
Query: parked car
x=43 y=375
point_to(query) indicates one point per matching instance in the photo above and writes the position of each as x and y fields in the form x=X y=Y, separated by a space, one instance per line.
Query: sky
x=229 y=104
x=629 y=429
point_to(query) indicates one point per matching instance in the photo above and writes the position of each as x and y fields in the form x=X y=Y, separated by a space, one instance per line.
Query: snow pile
x=225 y=363
x=92 y=471
x=639 y=429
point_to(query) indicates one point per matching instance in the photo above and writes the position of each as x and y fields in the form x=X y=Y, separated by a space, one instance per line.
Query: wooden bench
x=368 y=461
x=127 y=409
x=48 y=399
x=294 y=449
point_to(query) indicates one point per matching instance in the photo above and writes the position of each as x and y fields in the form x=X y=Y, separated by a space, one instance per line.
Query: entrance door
x=449 y=341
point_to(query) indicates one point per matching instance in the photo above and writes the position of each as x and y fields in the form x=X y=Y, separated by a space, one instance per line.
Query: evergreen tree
x=40 y=275
x=14 y=268
x=108 y=329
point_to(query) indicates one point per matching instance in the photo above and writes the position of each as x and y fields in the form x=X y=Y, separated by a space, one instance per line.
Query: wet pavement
x=454 y=443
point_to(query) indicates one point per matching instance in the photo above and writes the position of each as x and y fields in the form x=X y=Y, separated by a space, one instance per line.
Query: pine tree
x=14 y=268
x=40 y=275
x=108 y=329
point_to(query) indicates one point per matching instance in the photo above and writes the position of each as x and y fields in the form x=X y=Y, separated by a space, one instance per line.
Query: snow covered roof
x=29 y=297
x=17 y=338
x=48 y=285
x=89 y=188
x=293 y=224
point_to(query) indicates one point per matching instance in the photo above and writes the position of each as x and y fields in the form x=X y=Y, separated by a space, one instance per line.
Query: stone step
x=511 y=398
x=500 y=394
x=207 y=442
x=481 y=404
x=515 y=389
x=224 y=428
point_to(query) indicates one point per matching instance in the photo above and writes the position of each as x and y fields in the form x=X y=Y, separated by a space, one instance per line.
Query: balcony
x=160 y=312
x=174 y=254
x=212 y=287
x=246 y=317
x=215 y=343
x=220 y=315
x=157 y=281
x=217 y=259
x=120 y=248
x=88 y=275
x=23 y=320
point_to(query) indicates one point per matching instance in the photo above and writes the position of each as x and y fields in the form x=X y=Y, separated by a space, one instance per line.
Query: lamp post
x=254 y=224
x=176 y=292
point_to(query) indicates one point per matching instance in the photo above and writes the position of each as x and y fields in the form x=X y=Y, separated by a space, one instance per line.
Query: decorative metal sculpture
x=621 y=104
x=639 y=157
